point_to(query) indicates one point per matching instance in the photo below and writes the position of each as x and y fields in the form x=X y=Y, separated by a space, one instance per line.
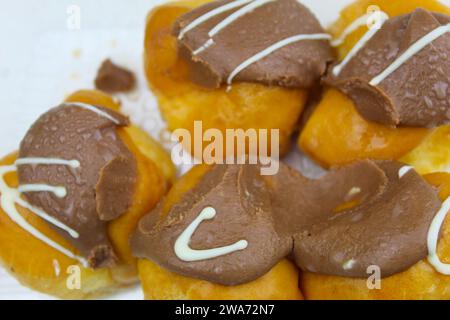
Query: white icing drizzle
x=60 y=192
x=208 y=44
x=275 y=47
x=93 y=109
x=410 y=52
x=433 y=236
x=48 y=161
x=382 y=18
x=230 y=19
x=236 y=15
x=46 y=217
x=404 y=170
x=355 y=25
x=185 y=253
x=10 y=197
x=211 y=14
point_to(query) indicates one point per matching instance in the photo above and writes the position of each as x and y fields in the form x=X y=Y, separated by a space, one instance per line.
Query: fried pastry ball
x=246 y=106
x=40 y=267
x=279 y=283
x=421 y=281
x=336 y=133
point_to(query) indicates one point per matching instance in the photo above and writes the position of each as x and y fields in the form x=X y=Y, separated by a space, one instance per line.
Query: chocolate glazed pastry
x=415 y=92
x=388 y=227
x=217 y=47
x=355 y=216
x=224 y=188
x=96 y=190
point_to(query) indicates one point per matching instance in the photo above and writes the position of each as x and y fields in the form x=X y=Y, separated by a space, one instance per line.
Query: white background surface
x=42 y=61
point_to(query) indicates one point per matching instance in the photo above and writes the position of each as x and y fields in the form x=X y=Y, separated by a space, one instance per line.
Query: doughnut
x=376 y=111
x=219 y=84
x=56 y=220
x=228 y=232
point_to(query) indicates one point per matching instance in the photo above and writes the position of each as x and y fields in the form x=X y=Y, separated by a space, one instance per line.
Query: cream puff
x=234 y=64
x=387 y=97
x=72 y=195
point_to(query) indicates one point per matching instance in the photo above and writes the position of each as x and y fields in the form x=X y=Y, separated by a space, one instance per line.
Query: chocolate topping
x=99 y=190
x=112 y=78
x=224 y=188
x=297 y=65
x=416 y=94
x=387 y=229
x=112 y=195
x=353 y=217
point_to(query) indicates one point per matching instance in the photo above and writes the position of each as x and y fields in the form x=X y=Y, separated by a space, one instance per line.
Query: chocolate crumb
x=113 y=78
